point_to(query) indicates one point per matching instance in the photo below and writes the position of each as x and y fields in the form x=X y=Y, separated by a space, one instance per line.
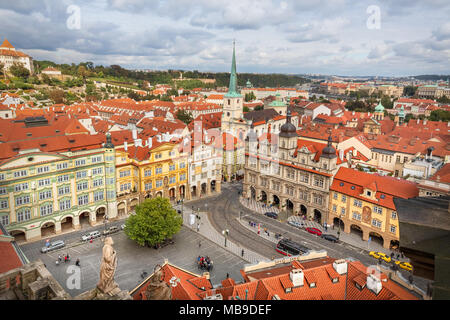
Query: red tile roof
x=386 y=188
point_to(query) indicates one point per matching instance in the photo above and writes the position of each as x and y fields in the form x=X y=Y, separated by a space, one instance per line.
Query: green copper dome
x=401 y=113
x=379 y=108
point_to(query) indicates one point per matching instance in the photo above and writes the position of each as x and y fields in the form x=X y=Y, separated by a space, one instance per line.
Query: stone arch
x=48 y=228
x=252 y=193
x=303 y=210
x=263 y=196
x=122 y=208
x=133 y=203
x=203 y=188
x=376 y=238
x=100 y=213
x=275 y=201
x=338 y=223
x=84 y=217
x=289 y=205
x=394 y=244
x=317 y=216
x=355 y=229
x=67 y=223
x=182 y=191
x=172 y=193
x=19 y=235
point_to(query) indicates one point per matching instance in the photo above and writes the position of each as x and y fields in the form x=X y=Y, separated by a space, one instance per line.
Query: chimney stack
x=125 y=145
x=374 y=283
x=340 y=266
x=296 y=276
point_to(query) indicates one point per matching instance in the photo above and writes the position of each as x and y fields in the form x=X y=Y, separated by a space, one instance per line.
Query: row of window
x=59 y=166
x=47 y=209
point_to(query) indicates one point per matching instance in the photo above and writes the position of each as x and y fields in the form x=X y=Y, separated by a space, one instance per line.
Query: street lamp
x=225 y=234
x=198 y=219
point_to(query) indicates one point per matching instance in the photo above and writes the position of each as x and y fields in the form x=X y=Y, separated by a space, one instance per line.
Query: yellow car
x=404 y=265
x=380 y=255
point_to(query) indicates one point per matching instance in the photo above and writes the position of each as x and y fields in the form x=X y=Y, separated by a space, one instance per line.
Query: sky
x=332 y=37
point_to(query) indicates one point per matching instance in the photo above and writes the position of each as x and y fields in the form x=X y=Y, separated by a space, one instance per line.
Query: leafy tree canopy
x=155 y=220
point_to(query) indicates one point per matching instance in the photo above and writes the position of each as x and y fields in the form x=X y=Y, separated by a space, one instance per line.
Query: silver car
x=296 y=224
x=90 y=235
x=53 y=246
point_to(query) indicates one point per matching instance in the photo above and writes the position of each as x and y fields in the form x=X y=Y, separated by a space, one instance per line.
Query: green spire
x=232 y=88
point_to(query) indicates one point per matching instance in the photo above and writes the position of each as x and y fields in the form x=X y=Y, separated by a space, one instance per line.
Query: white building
x=9 y=55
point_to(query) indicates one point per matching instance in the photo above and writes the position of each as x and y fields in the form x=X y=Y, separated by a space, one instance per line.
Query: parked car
x=380 y=255
x=110 y=230
x=296 y=224
x=90 y=235
x=122 y=226
x=330 y=237
x=314 y=231
x=404 y=265
x=53 y=246
x=271 y=215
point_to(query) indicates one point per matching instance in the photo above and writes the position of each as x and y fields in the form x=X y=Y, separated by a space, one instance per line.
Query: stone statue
x=157 y=288
x=108 y=268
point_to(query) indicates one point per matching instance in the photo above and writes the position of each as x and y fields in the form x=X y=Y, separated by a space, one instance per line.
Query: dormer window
x=312 y=285
x=369 y=193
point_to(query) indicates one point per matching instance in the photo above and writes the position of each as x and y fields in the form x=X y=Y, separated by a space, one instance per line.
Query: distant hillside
x=432 y=77
x=222 y=79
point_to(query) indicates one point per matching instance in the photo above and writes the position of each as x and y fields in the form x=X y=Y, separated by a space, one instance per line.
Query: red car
x=314 y=231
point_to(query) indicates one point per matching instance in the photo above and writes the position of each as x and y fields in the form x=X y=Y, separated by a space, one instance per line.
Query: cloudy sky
x=343 y=37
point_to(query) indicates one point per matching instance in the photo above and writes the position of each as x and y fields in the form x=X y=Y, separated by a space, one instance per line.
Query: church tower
x=232 y=101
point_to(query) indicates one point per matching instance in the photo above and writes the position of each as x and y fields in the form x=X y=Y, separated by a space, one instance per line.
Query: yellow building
x=363 y=203
x=158 y=169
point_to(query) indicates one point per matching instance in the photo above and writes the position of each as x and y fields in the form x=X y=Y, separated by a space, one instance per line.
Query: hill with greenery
x=125 y=76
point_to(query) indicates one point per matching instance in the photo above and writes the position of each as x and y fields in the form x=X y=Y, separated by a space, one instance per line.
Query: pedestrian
x=228 y=275
x=392 y=255
x=65 y=259
x=398 y=256
x=77 y=263
x=242 y=252
x=199 y=243
x=59 y=258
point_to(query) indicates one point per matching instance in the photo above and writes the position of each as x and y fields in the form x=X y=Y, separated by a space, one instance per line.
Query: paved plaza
x=134 y=259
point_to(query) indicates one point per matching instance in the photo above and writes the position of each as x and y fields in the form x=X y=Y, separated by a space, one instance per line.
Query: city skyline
x=332 y=38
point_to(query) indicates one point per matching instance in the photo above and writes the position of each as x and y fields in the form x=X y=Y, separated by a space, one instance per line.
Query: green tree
x=245 y=109
x=18 y=70
x=443 y=99
x=155 y=220
x=250 y=96
x=387 y=102
x=184 y=116
x=440 y=115
x=82 y=73
x=409 y=91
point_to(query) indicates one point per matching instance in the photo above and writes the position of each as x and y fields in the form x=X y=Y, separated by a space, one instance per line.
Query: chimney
x=296 y=276
x=125 y=145
x=374 y=283
x=418 y=120
x=424 y=121
x=134 y=133
x=340 y=266
x=138 y=142
x=341 y=154
x=149 y=142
